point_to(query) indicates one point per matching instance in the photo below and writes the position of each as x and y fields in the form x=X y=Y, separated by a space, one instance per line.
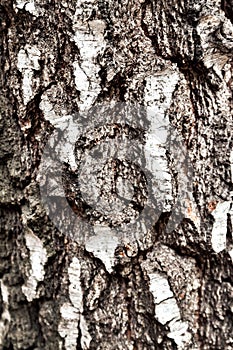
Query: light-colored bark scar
x=28 y=5
x=38 y=258
x=220 y=213
x=103 y=246
x=72 y=321
x=158 y=96
x=89 y=38
x=219 y=230
x=5 y=317
x=167 y=311
x=28 y=63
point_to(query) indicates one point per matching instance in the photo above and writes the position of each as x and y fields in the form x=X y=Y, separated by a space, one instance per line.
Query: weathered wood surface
x=153 y=288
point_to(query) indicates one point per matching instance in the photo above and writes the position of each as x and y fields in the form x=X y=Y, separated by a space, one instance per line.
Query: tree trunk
x=116 y=175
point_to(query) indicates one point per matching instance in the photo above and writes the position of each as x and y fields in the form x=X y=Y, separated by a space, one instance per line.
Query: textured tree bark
x=83 y=287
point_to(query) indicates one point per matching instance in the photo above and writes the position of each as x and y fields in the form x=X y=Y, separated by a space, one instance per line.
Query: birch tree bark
x=93 y=76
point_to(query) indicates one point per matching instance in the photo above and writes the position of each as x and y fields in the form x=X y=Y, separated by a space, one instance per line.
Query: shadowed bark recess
x=92 y=82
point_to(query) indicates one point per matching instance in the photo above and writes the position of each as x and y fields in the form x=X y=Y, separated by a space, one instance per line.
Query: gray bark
x=84 y=284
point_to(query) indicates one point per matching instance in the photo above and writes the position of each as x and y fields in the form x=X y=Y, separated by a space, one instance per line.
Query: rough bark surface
x=161 y=290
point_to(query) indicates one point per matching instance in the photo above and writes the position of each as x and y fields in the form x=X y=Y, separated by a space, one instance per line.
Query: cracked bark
x=163 y=291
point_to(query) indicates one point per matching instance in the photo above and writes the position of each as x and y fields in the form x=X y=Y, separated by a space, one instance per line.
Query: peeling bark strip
x=85 y=286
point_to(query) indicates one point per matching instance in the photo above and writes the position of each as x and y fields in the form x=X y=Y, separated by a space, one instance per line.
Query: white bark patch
x=179 y=332
x=47 y=109
x=158 y=95
x=231 y=161
x=167 y=310
x=28 y=6
x=86 y=337
x=68 y=327
x=5 y=317
x=159 y=287
x=28 y=62
x=71 y=312
x=159 y=89
x=165 y=271
x=219 y=230
x=38 y=258
x=231 y=206
x=89 y=37
x=103 y=246
x=231 y=254
x=75 y=289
